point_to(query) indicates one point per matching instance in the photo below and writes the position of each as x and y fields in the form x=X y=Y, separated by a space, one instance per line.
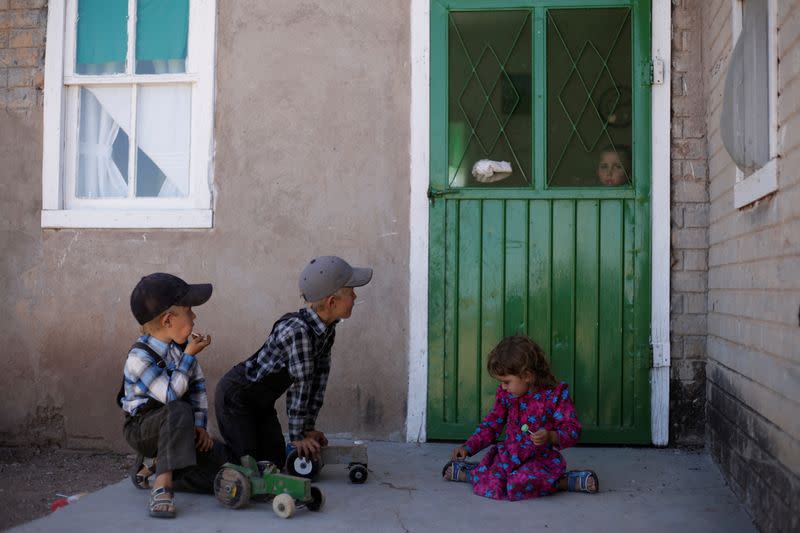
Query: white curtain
x=163 y=128
x=163 y=134
x=99 y=176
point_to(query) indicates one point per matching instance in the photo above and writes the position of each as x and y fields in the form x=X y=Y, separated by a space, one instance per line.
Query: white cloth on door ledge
x=488 y=171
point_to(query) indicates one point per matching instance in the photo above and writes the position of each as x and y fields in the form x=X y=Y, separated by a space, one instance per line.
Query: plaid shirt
x=182 y=374
x=301 y=345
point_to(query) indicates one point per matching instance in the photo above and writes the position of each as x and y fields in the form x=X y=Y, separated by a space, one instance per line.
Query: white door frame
x=418 y=224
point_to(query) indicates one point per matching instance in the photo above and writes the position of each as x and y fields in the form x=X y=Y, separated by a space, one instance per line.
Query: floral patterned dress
x=516 y=468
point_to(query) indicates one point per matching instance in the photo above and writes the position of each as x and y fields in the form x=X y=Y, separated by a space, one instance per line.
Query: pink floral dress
x=517 y=469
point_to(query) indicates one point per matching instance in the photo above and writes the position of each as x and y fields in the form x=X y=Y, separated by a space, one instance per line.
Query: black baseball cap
x=155 y=293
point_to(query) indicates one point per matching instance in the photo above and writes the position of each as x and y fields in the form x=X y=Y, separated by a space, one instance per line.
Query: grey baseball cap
x=325 y=275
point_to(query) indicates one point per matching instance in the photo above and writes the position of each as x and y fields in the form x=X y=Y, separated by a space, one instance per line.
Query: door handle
x=434 y=193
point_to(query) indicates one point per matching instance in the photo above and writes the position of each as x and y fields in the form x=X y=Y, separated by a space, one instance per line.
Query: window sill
x=759 y=184
x=167 y=219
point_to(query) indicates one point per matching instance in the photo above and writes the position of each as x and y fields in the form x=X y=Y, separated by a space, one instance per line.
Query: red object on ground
x=61 y=502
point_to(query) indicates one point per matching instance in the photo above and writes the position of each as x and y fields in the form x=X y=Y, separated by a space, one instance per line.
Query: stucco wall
x=754 y=293
x=25 y=377
x=312 y=129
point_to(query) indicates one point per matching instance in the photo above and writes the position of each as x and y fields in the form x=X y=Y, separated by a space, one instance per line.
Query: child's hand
x=541 y=437
x=202 y=439
x=459 y=453
x=196 y=343
x=307 y=447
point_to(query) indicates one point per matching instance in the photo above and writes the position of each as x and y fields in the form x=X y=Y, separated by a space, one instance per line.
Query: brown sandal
x=140 y=472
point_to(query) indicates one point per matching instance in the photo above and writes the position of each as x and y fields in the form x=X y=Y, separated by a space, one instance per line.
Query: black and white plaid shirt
x=302 y=345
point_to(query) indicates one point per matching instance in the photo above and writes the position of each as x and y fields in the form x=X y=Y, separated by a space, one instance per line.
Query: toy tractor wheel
x=358 y=473
x=301 y=466
x=232 y=488
x=283 y=505
x=317 y=499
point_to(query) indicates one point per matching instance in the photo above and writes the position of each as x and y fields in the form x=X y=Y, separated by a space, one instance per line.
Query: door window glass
x=489 y=97
x=589 y=107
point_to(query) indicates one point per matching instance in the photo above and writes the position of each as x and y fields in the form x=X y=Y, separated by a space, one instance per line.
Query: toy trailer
x=353 y=455
x=235 y=484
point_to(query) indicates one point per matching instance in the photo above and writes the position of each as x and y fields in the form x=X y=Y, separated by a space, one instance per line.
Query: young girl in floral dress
x=539 y=420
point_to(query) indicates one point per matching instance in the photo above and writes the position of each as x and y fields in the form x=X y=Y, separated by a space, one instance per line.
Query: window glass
x=489 y=99
x=102 y=40
x=589 y=107
x=162 y=135
x=162 y=29
x=103 y=142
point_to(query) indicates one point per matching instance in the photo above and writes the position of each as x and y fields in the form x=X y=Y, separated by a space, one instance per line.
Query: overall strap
x=294 y=314
x=147 y=348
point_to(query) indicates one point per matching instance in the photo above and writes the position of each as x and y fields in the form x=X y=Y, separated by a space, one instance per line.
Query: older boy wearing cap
x=294 y=359
x=164 y=392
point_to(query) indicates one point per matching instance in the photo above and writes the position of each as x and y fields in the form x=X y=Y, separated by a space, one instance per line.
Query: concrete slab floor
x=642 y=489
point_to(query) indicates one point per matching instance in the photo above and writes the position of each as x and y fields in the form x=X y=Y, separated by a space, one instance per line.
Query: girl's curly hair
x=514 y=356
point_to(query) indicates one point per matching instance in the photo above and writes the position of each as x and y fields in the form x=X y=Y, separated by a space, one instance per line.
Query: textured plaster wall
x=311 y=158
x=31 y=405
x=312 y=130
x=753 y=385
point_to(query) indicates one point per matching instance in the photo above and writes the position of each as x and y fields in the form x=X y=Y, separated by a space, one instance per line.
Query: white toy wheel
x=283 y=505
x=303 y=466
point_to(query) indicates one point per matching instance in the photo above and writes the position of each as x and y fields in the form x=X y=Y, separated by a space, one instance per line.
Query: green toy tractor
x=235 y=485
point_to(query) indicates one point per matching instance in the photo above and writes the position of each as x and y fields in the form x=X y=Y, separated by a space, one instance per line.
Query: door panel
x=587 y=298
x=551 y=250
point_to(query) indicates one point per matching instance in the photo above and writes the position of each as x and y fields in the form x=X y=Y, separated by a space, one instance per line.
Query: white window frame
x=763 y=181
x=60 y=211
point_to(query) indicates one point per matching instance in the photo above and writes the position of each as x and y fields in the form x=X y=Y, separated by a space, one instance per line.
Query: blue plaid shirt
x=302 y=345
x=182 y=375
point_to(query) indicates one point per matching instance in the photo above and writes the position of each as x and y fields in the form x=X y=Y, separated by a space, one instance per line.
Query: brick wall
x=22 y=36
x=689 y=204
x=753 y=371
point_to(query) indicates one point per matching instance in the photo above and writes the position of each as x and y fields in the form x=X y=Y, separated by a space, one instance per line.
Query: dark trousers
x=167 y=432
x=246 y=415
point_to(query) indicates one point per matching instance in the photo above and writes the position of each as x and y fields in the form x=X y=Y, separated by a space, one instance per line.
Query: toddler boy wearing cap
x=296 y=360
x=164 y=393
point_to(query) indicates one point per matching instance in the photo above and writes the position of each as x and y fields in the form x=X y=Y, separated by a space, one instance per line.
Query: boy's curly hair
x=514 y=356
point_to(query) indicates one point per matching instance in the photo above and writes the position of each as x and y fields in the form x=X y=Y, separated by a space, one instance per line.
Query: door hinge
x=659 y=354
x=654 y=71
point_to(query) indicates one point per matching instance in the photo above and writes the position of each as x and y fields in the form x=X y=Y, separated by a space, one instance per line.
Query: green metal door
x=540 y=205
